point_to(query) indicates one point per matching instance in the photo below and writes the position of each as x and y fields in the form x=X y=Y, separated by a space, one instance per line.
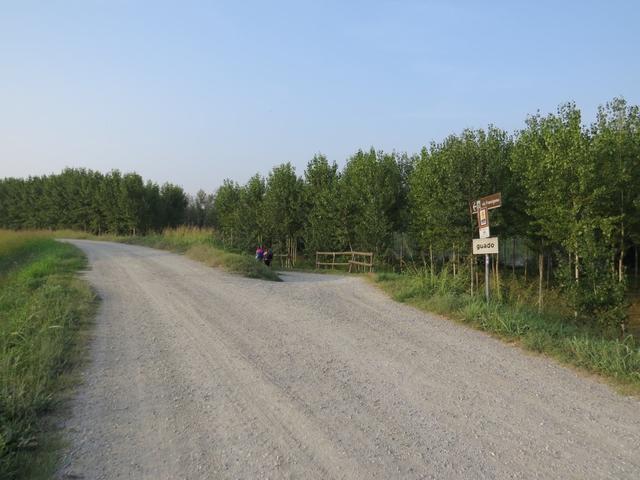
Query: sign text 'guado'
x=484 y=246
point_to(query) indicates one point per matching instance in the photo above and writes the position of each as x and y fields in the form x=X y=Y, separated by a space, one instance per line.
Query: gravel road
x=196 y=373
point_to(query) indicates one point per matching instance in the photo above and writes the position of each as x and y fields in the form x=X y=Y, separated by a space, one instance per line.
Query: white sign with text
x=484 y=246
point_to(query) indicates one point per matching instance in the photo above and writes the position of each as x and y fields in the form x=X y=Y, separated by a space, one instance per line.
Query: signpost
x=485 y=245
x=483 y=217
x=489 y=202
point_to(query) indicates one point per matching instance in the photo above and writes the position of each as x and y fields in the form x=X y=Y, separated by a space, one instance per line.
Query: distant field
x=43 y=307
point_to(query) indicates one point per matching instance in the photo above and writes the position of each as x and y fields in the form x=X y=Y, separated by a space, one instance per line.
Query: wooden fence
x=285 y=259
x=360 y=261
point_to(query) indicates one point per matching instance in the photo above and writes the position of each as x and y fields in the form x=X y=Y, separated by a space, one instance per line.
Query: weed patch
x=43 y=306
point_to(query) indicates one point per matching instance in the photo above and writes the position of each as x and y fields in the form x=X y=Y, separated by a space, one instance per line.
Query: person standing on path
x=268 y=256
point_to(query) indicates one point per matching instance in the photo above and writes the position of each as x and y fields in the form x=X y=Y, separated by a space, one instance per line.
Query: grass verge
x=197 y=244
x=43 y=310
x=552 y=333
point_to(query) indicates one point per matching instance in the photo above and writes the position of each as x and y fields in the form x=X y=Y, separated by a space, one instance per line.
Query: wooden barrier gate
x=358 y=260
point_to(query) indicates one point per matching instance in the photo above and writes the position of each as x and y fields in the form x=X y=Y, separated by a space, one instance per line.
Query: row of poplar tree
x=86 y=200
x=570 y=192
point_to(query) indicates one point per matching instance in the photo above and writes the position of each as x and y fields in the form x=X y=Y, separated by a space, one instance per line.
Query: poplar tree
x=371 y=193
x=283 y=208
x=323 y=230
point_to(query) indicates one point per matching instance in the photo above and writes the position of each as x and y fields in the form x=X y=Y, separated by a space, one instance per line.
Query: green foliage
x=85 y=200
x=575 y=182
x=598 y=296
x=226 y=202
x=370 y=192
x=283 y=205
x=569 y=193
x=42 y=307
x=173 y=203
x=200 y=211
x=324 y=229
x=448 y=176
x=253 y=220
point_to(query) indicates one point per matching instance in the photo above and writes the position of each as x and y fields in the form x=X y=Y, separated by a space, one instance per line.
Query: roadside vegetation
x=516 y=318
x=196 y=243
x=43 y=310
x=201 y=245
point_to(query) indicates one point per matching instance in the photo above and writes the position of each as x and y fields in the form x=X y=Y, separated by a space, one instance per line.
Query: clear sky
x=194 y=92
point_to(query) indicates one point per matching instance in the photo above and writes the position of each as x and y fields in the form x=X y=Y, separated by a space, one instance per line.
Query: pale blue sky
x=194 y=92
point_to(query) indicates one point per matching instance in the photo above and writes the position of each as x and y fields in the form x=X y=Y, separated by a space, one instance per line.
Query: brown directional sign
x=491 y=201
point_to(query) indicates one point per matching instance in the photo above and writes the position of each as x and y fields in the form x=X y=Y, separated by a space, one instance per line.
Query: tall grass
x=551 y=331
x=42 y=308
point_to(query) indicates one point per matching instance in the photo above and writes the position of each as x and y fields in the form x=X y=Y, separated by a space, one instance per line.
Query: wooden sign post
x=485 y=245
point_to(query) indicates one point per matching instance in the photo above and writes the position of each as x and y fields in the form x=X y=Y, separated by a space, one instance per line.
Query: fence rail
x=285 y=259
x=359 y=260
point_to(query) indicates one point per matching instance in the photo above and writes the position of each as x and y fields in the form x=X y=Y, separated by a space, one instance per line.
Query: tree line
x=570 y=195
x=81 y=199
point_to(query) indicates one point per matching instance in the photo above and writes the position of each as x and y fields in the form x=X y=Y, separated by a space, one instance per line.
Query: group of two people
x=264 y=254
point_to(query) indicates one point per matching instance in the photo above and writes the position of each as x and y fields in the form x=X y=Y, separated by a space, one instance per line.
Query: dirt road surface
x=196 y=373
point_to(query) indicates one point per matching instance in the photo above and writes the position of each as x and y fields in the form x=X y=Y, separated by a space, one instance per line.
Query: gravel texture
x=196 y=373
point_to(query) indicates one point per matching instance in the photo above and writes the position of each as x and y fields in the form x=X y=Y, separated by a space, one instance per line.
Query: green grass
x=551 y=331
x=197 y=244
x=43 y=310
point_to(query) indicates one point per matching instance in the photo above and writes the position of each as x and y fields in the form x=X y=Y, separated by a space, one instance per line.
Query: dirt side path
x=200 y=374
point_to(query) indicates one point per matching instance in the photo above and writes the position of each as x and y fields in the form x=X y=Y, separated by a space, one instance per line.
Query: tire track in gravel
x=201 y=374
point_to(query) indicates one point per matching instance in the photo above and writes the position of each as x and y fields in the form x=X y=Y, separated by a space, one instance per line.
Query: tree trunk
x=487 y=267
x=453 y=259
x=471 y=261
x=526 y=261
x=457 y=255
x=431 y=261
x=513 y=256
x=493 y=269
x=540 y=276
x=498 y=294
x=548 y=269
x=294 y=252
x=636 y=262
x=621 y=258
